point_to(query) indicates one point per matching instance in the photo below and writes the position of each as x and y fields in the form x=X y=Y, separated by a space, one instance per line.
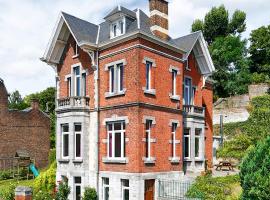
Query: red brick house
x=134 y=105
x=23 y=130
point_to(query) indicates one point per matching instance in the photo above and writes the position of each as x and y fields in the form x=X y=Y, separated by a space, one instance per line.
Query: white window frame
x=148 y=75
x=199 y=137
x=75 y=134
x=122 y=132
x=83 y=83
x=174 y=129
x=189 y=142
x=148 y=137
x=62 y=142
x=77 y=184
x=69 y=86
x=189 y=90
x=104 y=186
x=116 y=27
x=75 y=81
x=124 y=188
x=174 y=82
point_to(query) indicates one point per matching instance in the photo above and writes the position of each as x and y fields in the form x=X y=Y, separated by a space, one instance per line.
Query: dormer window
x=118 y=28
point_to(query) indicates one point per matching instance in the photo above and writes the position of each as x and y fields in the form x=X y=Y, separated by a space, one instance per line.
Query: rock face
x=234 y=109
x=27 y=130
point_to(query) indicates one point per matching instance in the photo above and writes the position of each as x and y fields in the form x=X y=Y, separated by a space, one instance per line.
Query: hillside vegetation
x=243 y=135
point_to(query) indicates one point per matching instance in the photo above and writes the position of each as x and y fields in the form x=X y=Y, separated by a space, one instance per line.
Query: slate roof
x=83 y=31
x=187 y=42
x=123 y=10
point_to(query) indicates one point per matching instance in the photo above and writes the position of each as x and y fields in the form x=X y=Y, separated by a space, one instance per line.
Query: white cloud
x=26 y=28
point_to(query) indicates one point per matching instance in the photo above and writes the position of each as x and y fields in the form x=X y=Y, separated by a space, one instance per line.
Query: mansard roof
x=91 y=36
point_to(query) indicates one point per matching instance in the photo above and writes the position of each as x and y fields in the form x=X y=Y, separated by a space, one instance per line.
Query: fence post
x=23 y=193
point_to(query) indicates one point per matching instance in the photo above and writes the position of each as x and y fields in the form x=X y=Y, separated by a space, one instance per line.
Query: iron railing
x=173 y=190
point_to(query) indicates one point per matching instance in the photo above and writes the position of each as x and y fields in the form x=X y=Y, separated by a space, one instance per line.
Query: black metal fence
x=173 y=190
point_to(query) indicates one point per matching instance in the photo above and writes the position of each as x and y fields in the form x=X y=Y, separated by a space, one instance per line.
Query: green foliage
x=241 y=136
x=260 y=78
x=8 y=192
x=238 y=22
x=15 y=101
x=197 y=25
x=52 y=156
x=63 y=191
x=255 y=173
x=207 y=187
x=45 y=182
x=42 y=195
x=90 y=194
x=4 y=175
x=260 y=50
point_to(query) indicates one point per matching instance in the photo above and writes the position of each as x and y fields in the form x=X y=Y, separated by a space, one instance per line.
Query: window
x=77 y=81
x=148 y=75
x=148 y=138
x=76 y=50
x=116 y=78
x=187 y=142
x=65 y=141
x=125 y=189
x=197 y=142
x=116 y=139
x=193 y=95
x=78 y=190
x=78 y=138
x=118 y=28
x=174 y=88
x=69 y=86
x=84 y=84
x=105 y=188
x=174 y=127
x=187 y=91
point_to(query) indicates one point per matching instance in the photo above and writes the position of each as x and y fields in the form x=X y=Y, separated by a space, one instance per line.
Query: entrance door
x=149 y=189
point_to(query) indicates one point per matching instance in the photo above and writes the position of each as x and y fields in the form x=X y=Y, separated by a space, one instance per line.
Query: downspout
x=98 y=117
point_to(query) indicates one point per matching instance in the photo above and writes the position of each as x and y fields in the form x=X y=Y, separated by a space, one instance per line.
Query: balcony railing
x=194 y=110
x=73 y=102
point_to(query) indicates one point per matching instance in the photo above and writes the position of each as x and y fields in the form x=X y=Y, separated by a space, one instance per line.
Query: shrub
x=255 y=173
x=4 y=175
x=8 y=193
x=42 y=195
x=62 y=192
x=90 y=194
x=52 y=156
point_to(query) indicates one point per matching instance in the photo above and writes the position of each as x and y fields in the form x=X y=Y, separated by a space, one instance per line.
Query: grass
x=6 y=183
x=218 y=188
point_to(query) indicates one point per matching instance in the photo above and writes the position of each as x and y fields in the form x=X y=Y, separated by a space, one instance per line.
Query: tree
x=255 y=173
x=259 y=50
x=15 y=101
x=228 y=50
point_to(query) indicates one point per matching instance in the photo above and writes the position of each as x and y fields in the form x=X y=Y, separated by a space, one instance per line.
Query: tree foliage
x=15 y=101
x=255 y=173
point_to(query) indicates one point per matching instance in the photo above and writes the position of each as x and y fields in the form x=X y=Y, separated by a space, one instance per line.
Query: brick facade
x=23 y=130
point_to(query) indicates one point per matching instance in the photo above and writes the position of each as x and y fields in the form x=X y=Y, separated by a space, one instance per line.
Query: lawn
x=5 y=184
x=218 y=188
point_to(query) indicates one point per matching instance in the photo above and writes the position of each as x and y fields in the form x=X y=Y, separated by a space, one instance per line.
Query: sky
x=26 y=27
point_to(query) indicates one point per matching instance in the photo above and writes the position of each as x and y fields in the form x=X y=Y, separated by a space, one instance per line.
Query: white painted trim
x=98 y=34
x=174 y=121
x=153 y=119
x=157 y=12
x=147 y=59
x=175 y=68
x=122 y=61
x=138 y=18
x=115 y=118
x=160 y=29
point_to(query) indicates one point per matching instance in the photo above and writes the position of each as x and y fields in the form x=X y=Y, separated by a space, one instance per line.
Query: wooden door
x=149 y=189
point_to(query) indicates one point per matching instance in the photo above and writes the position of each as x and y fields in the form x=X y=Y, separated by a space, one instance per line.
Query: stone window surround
x=174 y=159
x=149 y=160
x=171 y=69
x=118 y=28
x=114 y=64
x=151 y=91
x=71 y=76
x=106 y=159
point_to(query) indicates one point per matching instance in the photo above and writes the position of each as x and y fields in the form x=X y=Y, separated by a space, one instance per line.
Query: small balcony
x=190 y=110
x=73 y=103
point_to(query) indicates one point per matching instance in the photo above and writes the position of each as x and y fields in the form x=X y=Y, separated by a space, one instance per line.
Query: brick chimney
x=35 y=104
x=3 y=96
x=159 y=18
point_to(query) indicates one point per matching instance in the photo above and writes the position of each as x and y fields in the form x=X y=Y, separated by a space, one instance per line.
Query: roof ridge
x=71 y=15
x=193 y=33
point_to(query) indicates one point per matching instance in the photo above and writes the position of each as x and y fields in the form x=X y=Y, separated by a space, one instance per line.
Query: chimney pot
x=159 y=18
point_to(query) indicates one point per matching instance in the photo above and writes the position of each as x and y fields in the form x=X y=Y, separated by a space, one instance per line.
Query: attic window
x=187 y=66
x=76 y=50
x=118 y=28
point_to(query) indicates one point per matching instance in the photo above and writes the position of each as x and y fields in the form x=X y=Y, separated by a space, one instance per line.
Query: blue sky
x=26 y=26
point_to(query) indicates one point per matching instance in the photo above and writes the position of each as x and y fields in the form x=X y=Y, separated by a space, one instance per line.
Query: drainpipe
x=98 y=121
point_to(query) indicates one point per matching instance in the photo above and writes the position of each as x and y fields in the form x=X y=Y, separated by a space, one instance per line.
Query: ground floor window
x=187 y=143
x=125 y=189
x=105 y=188
x=197 y=142
x=78 y=188
x=65 y=140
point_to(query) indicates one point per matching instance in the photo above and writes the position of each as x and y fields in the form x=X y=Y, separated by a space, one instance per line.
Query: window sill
x=77 y=160
x=109 y=95
x=187 y=159
x=150 y=160
x=151 y=91
x=115 y=160
x=199 y=159
x=174 y=160
x=174 y=97
x=75 y=56
x=63 y=160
